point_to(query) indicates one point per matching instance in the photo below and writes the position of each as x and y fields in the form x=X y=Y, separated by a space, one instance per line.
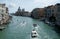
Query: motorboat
x=47 y=22
x=23 y=21
x=1 y=28
x=34 y=33
x=35 y=25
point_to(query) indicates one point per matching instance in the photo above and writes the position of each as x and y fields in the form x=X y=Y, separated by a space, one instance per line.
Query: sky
x=28 y=5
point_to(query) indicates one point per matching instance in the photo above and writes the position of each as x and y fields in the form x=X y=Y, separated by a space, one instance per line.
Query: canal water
x=21 y=28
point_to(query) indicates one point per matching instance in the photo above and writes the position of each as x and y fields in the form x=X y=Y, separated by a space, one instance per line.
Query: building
x=57 y=13
x=18 y=12
x=35 y=13
x=27 y=14
x=22 y=12
x=4 y=16
x=38 y=13
x=53 y=9
x=41 y=13
x=49 y=11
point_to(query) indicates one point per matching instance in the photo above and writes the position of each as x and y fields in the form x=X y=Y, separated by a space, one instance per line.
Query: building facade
x=53 y=9
x=22 y=12
x=38 y=13
x=4 y=16
x=57 y=13
x=35 y=13
x=41 y=13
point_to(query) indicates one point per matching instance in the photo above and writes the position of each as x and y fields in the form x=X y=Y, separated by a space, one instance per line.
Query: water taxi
x=34 y=33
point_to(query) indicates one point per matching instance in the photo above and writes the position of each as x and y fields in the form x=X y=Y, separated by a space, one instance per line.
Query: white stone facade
x=3 y=14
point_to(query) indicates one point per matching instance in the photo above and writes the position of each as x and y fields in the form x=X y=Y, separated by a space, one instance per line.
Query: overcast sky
x=29 y=5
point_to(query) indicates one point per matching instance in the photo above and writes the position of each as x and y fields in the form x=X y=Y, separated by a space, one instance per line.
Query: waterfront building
x=35 y=13
x=49 y=11
x=22 y=12
x=53 y=9
x=18 y=12
x=41 y=13
x=57 y=13
x=26 y=13
x=38 y=13
x=4 y=16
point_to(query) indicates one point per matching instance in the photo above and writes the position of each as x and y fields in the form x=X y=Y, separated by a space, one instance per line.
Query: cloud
x=12 y=5
x=36 y=1
x=45 y=2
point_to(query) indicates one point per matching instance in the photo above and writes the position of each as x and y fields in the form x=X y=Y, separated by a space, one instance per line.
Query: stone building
x=35 y=13
x=4 y=16
x=41 y=13
x=22 y=12
x=53 y=9
x=48 y=12
x=38 y=13
x=57 y=13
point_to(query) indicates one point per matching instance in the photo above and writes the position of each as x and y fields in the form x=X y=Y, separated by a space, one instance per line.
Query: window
x=58 y=9
x=2 y=10
x=2 y=15
x=52 y=10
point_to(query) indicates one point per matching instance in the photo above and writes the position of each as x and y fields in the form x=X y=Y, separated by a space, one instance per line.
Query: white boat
x=34 y=33
x=34 y=25
x=1 y=28
x=47 y=22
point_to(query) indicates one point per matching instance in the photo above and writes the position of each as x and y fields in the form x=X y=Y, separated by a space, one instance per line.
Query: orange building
x=41 y=12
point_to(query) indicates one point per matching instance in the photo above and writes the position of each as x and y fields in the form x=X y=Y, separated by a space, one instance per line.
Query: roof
x=58 y=4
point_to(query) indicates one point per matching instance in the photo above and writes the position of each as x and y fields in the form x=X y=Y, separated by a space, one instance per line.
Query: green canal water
x=16 y=29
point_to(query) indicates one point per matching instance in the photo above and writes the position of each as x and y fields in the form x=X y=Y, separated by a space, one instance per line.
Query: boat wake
x=23 y=24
